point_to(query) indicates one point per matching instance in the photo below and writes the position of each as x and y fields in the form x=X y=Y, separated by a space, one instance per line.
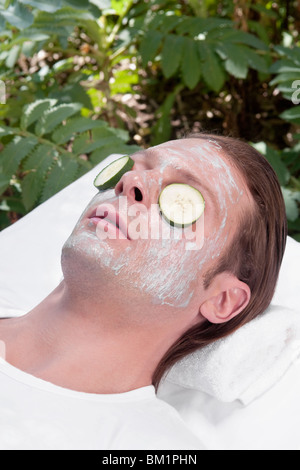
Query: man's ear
x=226 y=297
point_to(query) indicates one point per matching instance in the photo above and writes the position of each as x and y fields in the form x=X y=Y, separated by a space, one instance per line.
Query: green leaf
x=118 y=6
x=81 y=124
x=87 y=143
x=172 y=54
x=32 y=184
x=161 y=131
x=5 y=130
x=169 y=23
x=11 y=204
x=101 y=4
x=190 y=65
x=290 y=199
x=231 y=35
x=195 y=26
x=285 y=77
x=150 y=46
x=284 y=66
x=40 y=159
x=291 y=53
x=33 y=111
x=17 y=15
x=49 y=6
x=14 y=153
x=123 y=81
x=64 y=20
x=275 y=160
x=79 y=4
x=4 y=183
x=213 y=72
x=61 y=175
x=292 y=115
x=235 y=56
x=296 y=237
x=53 y=117
x=72 y=92
x=257 y=62
x=281 y=170
x=12 y=57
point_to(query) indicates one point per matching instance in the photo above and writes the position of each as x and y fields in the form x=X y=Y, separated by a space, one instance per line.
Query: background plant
x=86 y=78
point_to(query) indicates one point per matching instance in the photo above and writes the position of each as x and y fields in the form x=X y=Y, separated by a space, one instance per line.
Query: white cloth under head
x=247 y=363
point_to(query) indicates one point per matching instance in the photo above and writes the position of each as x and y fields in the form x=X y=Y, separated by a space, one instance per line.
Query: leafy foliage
x=109 y=74
x=286 y=164
x=52 y=147
x=208 y=48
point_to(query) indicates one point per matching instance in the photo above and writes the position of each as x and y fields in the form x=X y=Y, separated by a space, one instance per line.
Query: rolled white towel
x=247 y=363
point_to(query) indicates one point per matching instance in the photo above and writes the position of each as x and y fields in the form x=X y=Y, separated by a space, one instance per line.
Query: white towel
x=247 y=363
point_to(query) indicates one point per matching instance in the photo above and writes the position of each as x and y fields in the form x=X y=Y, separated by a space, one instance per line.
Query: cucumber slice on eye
x=111 y=175
x=181 y=205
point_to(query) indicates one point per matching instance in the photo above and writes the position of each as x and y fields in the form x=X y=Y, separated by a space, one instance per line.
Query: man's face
x=157 y=270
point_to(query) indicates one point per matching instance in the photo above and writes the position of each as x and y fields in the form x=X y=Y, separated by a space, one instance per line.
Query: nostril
x=138 y=195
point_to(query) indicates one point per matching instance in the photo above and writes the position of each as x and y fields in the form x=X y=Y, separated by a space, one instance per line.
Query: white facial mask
x=164 y=271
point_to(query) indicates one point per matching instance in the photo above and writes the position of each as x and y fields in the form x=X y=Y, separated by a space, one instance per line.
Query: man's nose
x=132 y=186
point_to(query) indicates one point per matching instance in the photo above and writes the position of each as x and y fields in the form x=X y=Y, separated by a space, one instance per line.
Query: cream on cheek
x=166 y=273
x=163 y=268
x=157 y=269
x=84 y=240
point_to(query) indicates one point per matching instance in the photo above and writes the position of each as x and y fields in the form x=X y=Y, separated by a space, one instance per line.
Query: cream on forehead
x=192 y=152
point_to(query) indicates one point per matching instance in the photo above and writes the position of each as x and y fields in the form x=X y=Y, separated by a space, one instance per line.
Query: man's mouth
x=110 y=221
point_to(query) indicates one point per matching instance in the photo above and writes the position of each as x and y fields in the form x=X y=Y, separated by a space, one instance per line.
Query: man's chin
x=86 y=257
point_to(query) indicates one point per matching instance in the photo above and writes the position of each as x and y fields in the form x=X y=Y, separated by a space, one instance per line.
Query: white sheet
x=30 y=269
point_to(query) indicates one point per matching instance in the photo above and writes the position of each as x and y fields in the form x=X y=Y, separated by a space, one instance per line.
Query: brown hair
x=254 y=256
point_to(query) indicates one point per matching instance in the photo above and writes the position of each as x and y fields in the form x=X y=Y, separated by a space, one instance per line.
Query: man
x=80 y=367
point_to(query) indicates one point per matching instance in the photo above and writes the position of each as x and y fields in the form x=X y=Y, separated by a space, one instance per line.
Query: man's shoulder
x=155 y=424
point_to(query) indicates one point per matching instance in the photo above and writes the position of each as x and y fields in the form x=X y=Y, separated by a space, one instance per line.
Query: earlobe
x=227 y=303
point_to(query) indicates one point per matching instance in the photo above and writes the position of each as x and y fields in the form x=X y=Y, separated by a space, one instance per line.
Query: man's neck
x=61 y=343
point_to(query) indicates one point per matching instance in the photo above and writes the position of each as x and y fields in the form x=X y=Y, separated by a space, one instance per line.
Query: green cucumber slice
x=181 y=205
x=111 y=174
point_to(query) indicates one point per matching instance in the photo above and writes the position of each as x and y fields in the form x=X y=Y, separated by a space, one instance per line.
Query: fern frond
x=38 y=153
x=86 y=143
x=40 y=159
x=31 y=189
x=33 y=111
x=4 y=183
x=5 y=130
x=14 y=153
x=32 y=184
x=81 y=124
x=53 y=117
x=65 y=17
x=62 y=174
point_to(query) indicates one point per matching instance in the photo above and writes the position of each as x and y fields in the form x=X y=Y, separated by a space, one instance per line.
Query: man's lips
x=110 y=220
